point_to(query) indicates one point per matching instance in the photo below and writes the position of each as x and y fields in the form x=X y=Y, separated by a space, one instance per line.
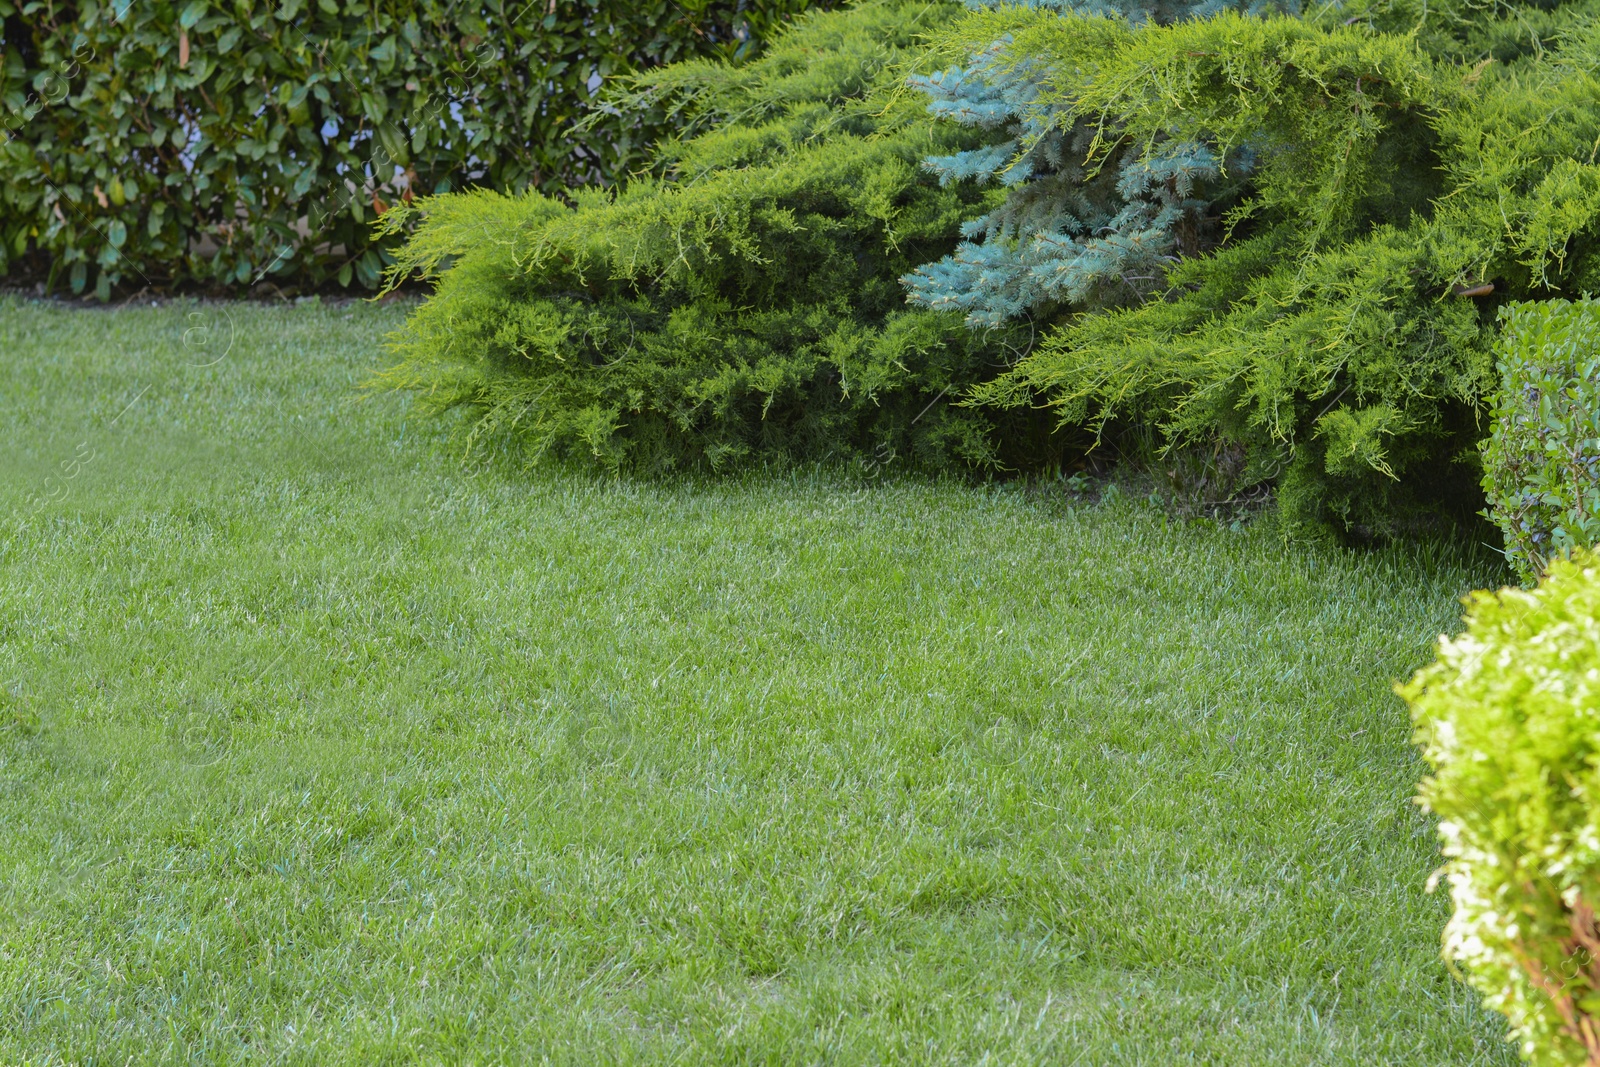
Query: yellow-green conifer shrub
x=1509 y=720
x=740 y=302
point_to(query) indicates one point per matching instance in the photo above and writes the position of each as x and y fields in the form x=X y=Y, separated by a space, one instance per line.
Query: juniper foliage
x=1412 y=167
x=1380 y=175
x=738 y=299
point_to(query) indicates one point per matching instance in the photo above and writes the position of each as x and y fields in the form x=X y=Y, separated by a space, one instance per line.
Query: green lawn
x=321 y=749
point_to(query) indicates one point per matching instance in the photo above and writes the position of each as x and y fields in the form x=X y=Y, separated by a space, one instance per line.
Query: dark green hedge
x=150 y=143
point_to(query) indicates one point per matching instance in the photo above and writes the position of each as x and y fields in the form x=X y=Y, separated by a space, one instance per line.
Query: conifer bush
x=740 y=300
x=1509 y=721
x=1342 y=333
x=1542 y=457
x=1233 y=230
x=753 y=275
x=1076 y=228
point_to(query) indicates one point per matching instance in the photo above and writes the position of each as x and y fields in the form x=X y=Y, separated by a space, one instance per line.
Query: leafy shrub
x=1542 y=458
x=1509 y=720
x=225 y=141
x=1342 y=334
x=743 y=299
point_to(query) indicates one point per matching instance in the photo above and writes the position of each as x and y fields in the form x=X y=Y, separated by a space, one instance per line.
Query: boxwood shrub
x=227 y=142
x=1509 y=720
x=1542 y=457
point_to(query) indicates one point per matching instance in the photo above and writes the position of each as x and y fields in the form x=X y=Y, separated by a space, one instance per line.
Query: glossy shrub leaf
x=238 y=123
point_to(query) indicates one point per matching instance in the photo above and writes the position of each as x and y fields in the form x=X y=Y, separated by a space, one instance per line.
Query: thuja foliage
x=1509 y=721
x=1542 y=458
x=740 y=299
x=1410 y=165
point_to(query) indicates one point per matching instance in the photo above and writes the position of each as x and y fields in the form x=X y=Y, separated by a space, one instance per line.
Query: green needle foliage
x=1396 y=172
x=742 y=299
x=1340 y=337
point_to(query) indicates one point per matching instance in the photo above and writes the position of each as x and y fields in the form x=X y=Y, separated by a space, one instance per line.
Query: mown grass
x=320 y=748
